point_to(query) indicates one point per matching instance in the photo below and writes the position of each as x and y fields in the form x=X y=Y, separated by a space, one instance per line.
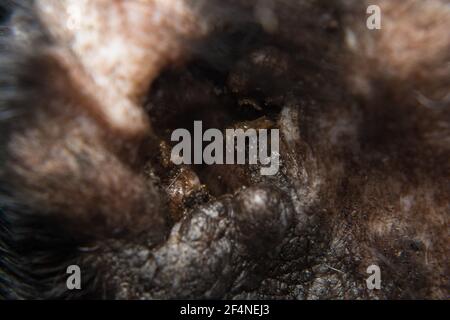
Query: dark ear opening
x=5 y=12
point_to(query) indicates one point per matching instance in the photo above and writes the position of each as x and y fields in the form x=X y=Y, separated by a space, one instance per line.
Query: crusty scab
x=92 y=90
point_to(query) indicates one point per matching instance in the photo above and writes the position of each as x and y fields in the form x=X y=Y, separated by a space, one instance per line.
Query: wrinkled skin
x=364 y=152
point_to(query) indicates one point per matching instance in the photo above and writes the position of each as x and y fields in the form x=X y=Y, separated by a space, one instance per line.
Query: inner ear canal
x=178 y=99
x=199 y=91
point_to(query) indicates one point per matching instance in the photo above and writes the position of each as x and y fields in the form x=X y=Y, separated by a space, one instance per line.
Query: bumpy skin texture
x=365 y=148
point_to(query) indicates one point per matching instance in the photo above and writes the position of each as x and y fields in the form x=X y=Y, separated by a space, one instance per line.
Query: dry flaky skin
x=365 y=132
